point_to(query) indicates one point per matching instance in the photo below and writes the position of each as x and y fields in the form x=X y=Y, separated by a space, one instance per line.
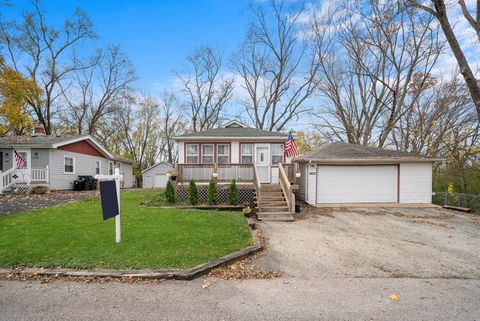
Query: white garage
x=357 y=184
x=156 y=176
x=348 y=173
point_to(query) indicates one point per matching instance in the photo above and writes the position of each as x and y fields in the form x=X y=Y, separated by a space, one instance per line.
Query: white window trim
x=282 y=154
x=108 y=167
x=209 y=155
x=228 y=154
x=99 y=166
x=73 y=161
x=187 y=155
x=242 y=154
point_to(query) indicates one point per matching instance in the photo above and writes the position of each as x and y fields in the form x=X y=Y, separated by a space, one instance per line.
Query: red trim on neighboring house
x=82 y=147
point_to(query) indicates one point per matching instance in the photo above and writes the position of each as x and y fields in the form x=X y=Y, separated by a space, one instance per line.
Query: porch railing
x=286 y=188
x=242 y=173
x=39 y=174
x=6 y=179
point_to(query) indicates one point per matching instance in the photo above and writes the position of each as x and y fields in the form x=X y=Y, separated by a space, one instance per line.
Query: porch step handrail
x=6 y=179
x=286 y=188
x=257 y=184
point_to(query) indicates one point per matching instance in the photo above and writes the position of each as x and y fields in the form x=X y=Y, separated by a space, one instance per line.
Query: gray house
x=57 y=161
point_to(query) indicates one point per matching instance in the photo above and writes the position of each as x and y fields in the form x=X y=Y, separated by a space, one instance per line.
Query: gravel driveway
x=12 y=203
x=376 y=242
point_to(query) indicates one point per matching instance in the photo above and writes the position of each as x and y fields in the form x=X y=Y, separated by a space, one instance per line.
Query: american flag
x=19 y=159
x=291 y=149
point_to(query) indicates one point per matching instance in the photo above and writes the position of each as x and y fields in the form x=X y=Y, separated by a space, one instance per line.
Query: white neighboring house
x=156 y=175
x=349 y=173
x=57 y=161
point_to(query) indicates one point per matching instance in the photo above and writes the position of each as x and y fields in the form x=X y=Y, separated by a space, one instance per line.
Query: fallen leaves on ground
x=245 y=268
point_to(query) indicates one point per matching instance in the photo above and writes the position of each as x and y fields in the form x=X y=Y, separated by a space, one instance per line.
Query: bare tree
x=367 y=63
x=276 y=65
x=206 y=88
x=439 y=11
x=95 y=93
x=136 y=124
x=441 y=122
x=46 y=54
x=172 y=124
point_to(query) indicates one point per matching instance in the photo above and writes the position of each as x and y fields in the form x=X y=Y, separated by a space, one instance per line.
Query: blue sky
x=158 y=35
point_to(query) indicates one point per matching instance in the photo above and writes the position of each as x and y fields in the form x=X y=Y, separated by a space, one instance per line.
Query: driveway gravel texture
x=375 y=243
x=13 y=203
x=335 y=264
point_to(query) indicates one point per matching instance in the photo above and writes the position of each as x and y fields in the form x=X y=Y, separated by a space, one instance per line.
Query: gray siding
x=127 y=171
x=7 y=161
x=40 y=157
x=84 y=165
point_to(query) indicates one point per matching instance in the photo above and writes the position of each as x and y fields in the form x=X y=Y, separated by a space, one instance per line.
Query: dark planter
x=173 y=177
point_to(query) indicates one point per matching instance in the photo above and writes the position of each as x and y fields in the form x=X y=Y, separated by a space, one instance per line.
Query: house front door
x=262 y=161
x=23 y=173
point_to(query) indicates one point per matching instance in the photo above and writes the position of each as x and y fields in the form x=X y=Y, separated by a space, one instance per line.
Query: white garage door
x=356 y=184
x=161 y=180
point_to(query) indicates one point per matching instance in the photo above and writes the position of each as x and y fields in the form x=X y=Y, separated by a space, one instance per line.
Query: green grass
x=75 y=236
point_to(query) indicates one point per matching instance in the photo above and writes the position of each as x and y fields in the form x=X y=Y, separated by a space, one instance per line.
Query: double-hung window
x=110 y=168
x=223 y=153
x=277 y=154
x=246 y=153
x=68 y=165
x=207 y=153
x=192 y=154
x=97 y=167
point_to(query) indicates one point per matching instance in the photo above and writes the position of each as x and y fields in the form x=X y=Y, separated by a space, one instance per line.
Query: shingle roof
x=233 y=132
x=49 y=141
x=37 y=140
x=344 y=151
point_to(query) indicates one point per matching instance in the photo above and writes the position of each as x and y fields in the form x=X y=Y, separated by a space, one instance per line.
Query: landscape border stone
x=179 y=274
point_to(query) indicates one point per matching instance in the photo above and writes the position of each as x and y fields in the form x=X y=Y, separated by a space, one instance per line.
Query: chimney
x=38 y=130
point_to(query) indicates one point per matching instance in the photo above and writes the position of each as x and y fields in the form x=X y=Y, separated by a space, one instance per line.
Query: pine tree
x=212 y=192
x=233 y=193
x=192 y=193
x=170 y=192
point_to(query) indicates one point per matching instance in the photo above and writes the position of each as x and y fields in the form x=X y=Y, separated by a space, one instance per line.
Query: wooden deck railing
x=39 y=174
x=286 y=188
x=242 y=173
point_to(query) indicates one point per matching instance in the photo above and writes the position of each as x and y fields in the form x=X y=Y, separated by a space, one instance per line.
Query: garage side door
x=161 y=180
x=356 y=184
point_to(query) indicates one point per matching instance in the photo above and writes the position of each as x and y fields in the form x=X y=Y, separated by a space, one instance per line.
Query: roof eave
x=222 y=138
x=366 y=160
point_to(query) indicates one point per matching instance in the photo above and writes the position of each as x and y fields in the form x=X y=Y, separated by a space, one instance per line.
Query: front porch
x=270 y=189
x=23 y=178
x=244 y=174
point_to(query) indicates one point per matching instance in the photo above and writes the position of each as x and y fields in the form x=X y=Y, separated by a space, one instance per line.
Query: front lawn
x=75 y=236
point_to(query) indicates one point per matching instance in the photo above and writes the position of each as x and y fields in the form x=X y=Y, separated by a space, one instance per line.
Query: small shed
x=156 y=176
